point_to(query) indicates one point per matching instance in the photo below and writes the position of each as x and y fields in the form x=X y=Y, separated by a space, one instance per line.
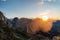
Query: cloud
x=45 y=12
x=52 y=0
x=41 y=2
x=49 y=0
x=4 y=0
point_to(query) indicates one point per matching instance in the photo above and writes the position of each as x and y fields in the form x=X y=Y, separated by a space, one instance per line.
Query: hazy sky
x=30 y=8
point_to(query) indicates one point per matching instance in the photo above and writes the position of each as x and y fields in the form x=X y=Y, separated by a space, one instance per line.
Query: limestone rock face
x=21 y=24
x=56 y=37
x=1 y=16
x=2 y=19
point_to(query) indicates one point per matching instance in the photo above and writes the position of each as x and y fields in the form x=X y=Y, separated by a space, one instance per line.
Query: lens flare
x=45 y=18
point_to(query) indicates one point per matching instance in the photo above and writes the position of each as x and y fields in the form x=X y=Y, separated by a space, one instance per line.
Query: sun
x=45 y=18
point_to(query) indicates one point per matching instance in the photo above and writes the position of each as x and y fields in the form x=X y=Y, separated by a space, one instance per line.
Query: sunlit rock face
x=39 y=25
x=46 y=26
x=56 y=37
x=34 y=26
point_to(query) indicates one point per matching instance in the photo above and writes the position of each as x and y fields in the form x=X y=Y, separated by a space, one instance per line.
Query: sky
x=30 y=8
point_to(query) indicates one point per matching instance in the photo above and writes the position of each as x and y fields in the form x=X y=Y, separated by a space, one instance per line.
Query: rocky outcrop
x=4 y=22
x=2 y=19
x=56 y=37
x=28 y=29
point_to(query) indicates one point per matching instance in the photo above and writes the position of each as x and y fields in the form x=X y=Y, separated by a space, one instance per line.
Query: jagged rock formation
x=56 y=37
x=21 y=29
x=2 y=19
